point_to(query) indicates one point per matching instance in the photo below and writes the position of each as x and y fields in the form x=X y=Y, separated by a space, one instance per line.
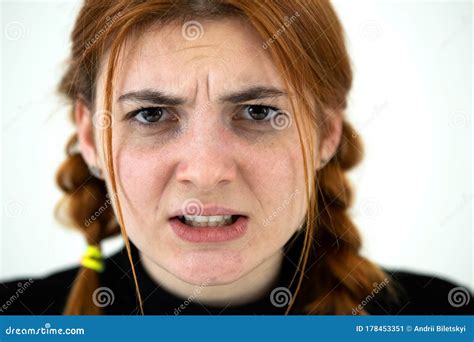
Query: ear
x=332 y=139
x=85 y=133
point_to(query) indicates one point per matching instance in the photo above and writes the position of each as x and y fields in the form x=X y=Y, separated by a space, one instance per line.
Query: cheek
x=278 y=191
x=279 y=185
x=141 y=178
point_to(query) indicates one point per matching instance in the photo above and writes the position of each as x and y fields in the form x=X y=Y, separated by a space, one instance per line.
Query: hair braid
x=84 y=197
x=341 y=277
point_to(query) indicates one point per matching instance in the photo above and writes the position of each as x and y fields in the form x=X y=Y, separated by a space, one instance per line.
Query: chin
x=208 y=267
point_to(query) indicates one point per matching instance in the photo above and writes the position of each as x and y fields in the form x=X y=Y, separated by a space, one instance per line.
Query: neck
x=248 y=288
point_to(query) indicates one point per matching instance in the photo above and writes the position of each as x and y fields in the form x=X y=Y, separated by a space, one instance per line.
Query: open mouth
x=209 y=228
x=208 y=221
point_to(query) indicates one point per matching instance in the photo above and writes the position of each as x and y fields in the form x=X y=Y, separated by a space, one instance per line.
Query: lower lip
x=210 y=234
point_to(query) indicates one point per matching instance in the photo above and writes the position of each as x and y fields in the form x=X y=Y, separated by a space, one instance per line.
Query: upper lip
x=209 y=210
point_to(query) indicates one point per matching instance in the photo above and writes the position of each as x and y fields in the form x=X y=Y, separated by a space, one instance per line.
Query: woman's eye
x=147 y=116
x=260 y=112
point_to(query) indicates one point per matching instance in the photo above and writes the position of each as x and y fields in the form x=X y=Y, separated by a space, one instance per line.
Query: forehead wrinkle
x=197 y=47
x=201 y=82
x=202 y=85
x=209 y=88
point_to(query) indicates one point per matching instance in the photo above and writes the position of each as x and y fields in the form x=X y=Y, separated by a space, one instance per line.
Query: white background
x=411 y=102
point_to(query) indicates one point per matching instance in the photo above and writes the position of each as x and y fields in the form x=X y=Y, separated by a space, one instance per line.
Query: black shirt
x=420 y=294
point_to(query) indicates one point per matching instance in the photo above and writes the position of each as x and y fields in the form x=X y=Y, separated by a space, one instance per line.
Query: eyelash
x=134 y=114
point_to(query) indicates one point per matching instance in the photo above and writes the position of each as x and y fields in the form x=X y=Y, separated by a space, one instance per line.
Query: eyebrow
x=160 y=98
x=252 y=93
x=152 y=96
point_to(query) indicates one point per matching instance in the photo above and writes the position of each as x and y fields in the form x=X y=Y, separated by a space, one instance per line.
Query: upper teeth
x=207 y=218
x=207 y=221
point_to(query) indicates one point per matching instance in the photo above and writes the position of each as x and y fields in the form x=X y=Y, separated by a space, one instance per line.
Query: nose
x=207 y=159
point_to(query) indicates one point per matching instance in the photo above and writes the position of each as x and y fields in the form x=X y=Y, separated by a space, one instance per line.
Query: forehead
x=227 y=52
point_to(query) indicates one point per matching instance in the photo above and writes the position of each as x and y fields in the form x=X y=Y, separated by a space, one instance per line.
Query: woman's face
x=216 y=141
